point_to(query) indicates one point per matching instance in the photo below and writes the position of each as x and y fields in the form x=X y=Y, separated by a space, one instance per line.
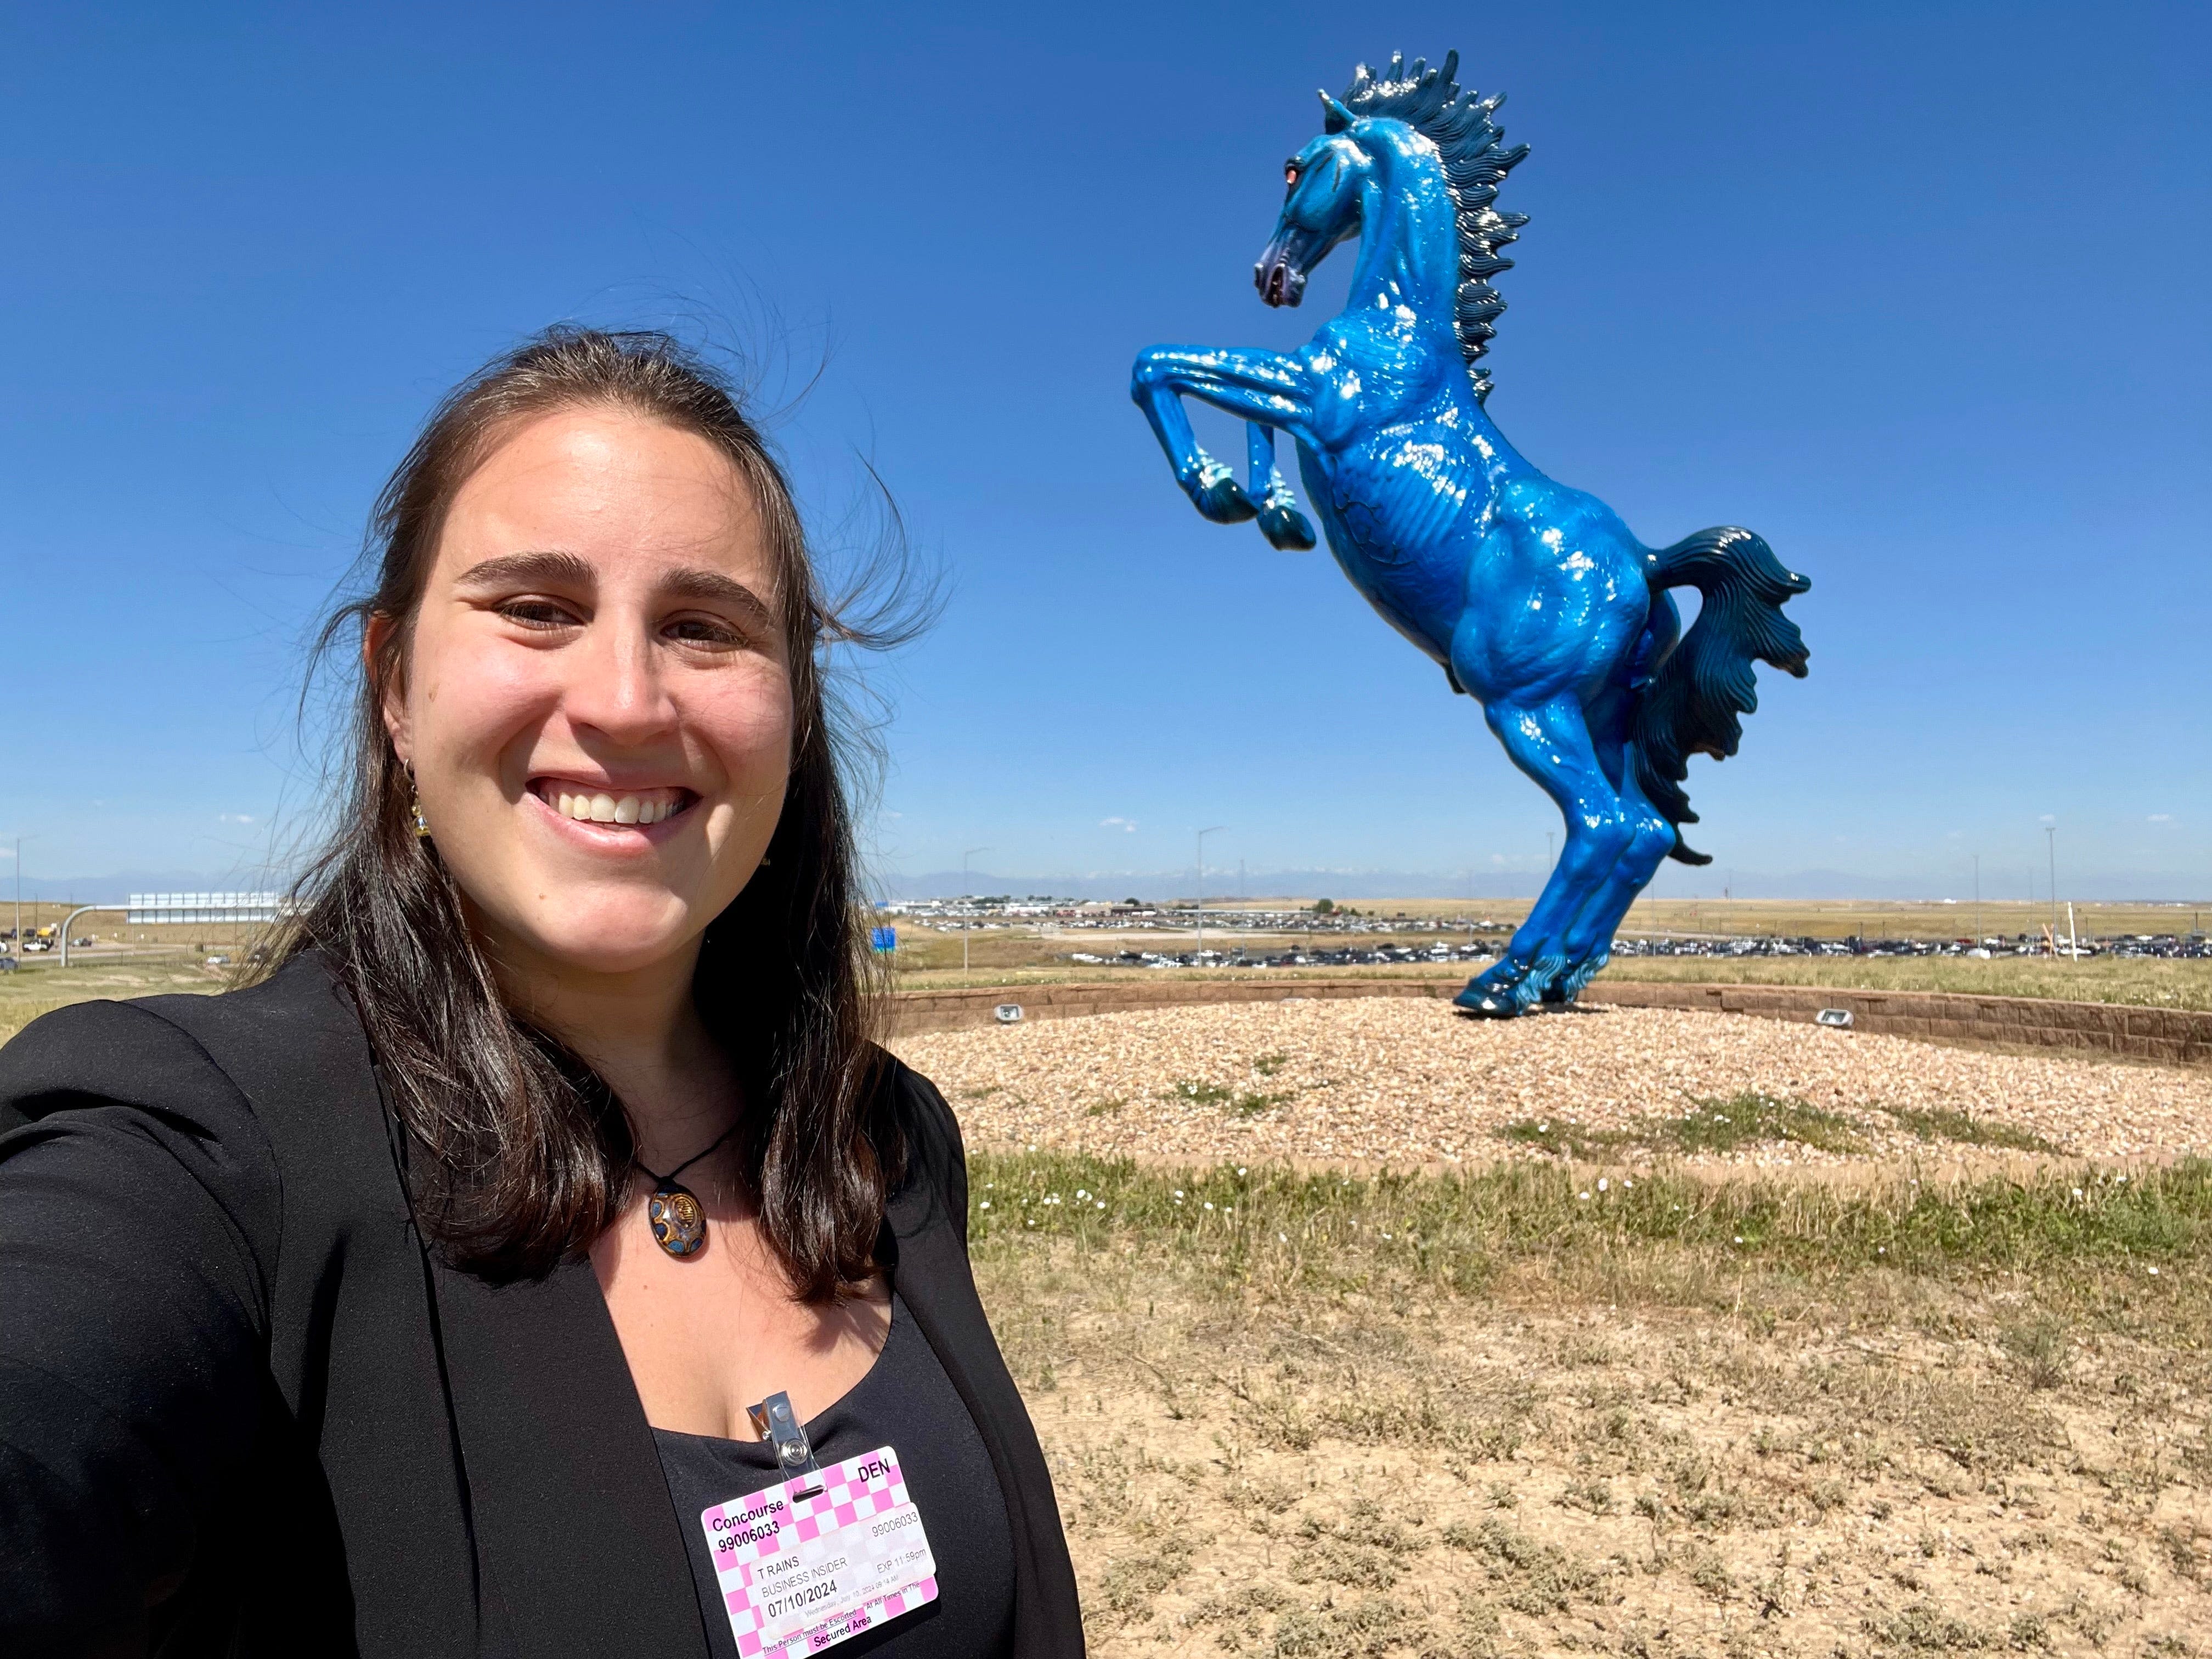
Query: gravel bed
x=1405 y=1081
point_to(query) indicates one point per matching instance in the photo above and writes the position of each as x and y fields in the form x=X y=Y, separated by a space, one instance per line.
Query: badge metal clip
x=776 y=1423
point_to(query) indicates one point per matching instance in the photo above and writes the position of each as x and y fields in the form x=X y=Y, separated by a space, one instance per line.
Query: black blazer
x=233 y=1380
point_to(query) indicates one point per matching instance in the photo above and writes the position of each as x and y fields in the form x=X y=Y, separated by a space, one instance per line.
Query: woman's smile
x=610 y=807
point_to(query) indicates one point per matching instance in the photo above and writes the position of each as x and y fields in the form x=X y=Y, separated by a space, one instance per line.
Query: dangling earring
x=415 y=804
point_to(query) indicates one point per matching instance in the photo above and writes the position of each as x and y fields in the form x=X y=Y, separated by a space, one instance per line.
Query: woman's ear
x=390 y=689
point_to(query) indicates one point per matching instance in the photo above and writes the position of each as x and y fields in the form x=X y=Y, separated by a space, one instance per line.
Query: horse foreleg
x=1280 y=521
x=1258 y=386
x=1551 y=743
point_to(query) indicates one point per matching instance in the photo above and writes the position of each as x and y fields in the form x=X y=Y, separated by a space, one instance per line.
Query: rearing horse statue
x=1534 y=598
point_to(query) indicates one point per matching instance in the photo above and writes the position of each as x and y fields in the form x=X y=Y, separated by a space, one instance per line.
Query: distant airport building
x=148 y=910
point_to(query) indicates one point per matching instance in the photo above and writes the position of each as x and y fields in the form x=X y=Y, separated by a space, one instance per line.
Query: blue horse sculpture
x=1534 y=597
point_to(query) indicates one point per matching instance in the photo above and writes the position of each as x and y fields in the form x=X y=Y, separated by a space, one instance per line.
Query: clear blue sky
x=1916 y=291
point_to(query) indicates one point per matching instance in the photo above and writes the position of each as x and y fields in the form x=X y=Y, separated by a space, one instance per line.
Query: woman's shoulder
x=935 y=1158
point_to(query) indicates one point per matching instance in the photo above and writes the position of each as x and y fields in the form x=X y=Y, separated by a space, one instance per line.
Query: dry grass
x=1019 y=957
x=2136 y=982
x=1481 y=1415
x=40 y=987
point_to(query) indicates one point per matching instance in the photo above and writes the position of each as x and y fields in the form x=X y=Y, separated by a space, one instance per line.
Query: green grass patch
x=1269 y=1064
x=1746 y=1120
x=1198 y=1092
x=1942 y=1124
x=1342 y=1231
x=1251 y=1105
x=1726 y=1126
x=1711 y=1126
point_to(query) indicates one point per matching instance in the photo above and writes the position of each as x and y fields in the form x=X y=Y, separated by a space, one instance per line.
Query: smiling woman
x=379 y=1246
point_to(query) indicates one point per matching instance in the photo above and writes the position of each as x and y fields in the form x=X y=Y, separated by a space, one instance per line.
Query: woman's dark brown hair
x=518 y=1155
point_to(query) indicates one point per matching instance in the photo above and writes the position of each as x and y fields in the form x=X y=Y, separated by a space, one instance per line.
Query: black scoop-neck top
x=907 y=1402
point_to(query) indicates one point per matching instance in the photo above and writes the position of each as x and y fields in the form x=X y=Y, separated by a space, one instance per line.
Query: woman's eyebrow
x=712 y=587
x=557 y=569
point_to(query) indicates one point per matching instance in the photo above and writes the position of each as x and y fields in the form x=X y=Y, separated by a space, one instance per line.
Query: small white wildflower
x=2154 y=1272
x=1178 y=1192
x=1582 y=1194
x=1209 y=1204
x=1282 y=1238
x=985 y=1205
x=1739 y=1238
x=1386 y=1235
x=2077 y=1192
x=1626 y=1183
x=1240 y=1168
x=1602 y=1183
x=1102 y=1203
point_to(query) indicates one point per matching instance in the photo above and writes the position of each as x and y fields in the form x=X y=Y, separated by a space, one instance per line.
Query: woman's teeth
x=613 y=809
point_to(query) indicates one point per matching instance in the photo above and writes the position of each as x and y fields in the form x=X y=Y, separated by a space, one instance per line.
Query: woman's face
x=596 y=698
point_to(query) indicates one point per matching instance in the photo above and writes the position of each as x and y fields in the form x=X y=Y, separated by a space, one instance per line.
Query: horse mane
x=1476 y=160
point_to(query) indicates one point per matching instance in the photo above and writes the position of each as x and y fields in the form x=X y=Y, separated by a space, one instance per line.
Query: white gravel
x=1405 y=1081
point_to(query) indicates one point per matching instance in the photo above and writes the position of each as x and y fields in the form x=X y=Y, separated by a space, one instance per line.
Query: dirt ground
x=1905 y=1467
x=1408 y=1081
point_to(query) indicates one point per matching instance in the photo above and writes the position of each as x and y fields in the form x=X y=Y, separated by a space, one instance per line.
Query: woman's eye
x=536 y=613
x=705 y=630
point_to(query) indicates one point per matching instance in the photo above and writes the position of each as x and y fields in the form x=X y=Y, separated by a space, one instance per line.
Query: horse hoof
x=1486 y=1005
x=1225 y=501
x=1287 y=530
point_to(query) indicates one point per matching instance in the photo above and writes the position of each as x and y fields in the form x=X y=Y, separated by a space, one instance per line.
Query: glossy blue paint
x=1534 y=597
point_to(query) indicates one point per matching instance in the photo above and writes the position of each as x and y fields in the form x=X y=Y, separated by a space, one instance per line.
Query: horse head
x=1409 y=130
x=1321 y=207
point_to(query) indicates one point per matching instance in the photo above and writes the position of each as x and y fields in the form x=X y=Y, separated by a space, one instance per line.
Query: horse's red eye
x=1290 y=175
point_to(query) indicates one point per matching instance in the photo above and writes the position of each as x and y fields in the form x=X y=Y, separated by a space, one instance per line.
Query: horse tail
x=1690 y=703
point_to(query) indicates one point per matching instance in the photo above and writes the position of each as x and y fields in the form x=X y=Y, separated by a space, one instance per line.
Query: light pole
x=1202 y=834
x=20 y=840
x=965 y=894
x=2051 y=841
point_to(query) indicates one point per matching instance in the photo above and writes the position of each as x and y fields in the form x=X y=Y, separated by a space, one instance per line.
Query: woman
x=414 y=1301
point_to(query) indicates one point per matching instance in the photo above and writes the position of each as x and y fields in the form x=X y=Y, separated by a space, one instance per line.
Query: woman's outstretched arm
x=139 y=1217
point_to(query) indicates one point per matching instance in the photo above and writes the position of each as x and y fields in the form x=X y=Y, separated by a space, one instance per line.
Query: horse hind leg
x=1589 y=938
x=1551 y=742
x=1286 y=529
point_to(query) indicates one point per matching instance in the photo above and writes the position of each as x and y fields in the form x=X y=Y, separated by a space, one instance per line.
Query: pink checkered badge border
x=748 y=1531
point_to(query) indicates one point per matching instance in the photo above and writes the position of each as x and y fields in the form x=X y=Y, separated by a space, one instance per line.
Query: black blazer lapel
x=581 y=1550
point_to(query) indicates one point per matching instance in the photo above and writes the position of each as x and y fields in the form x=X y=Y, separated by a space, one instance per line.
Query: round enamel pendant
x=679 y=1226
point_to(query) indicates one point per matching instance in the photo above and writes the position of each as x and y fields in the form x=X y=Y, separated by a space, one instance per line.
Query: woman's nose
x=617 y=687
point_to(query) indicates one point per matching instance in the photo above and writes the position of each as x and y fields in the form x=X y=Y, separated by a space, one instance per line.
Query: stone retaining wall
x=2167 y=1036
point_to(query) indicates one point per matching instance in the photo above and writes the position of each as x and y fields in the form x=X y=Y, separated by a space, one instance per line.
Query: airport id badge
x=809 y=1563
